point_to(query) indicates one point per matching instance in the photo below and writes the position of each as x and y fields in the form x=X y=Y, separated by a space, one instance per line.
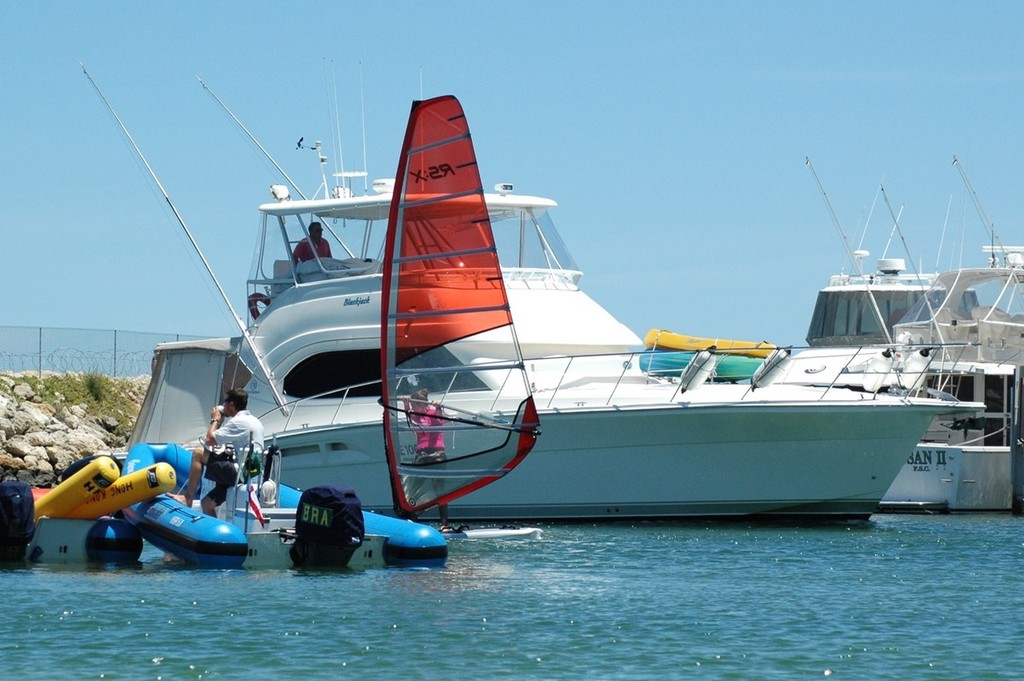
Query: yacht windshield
x=527 y=240
x=345 y=238
x=923 y=309
x=844 y=317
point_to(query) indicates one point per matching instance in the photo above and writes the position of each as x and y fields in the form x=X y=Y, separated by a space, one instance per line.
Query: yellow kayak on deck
x=660 y=339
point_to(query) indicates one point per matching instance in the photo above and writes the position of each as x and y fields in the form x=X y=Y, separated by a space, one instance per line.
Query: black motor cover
x=330 y=515
x=328 y=526
x=17 y=519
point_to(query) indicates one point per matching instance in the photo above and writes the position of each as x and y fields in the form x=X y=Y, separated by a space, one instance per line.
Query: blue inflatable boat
x=206 y=541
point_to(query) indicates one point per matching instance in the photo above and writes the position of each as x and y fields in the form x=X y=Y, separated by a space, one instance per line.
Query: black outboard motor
x=17 y=520
x=328 y=527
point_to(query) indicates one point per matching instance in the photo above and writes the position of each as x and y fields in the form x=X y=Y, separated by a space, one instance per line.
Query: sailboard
x=503 y=532
x=454 y=420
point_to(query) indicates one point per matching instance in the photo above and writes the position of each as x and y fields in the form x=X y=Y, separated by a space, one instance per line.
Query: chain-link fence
x=115 y=353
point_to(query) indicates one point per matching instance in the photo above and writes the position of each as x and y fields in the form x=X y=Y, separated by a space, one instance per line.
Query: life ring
x=255 y=300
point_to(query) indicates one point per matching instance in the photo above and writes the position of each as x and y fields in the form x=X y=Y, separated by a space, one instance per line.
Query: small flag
x=254 y=504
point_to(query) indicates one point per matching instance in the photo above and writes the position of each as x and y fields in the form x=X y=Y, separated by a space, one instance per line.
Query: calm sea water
x=917 y=597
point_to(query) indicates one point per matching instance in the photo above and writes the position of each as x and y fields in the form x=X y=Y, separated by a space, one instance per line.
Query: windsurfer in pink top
x=425 y=416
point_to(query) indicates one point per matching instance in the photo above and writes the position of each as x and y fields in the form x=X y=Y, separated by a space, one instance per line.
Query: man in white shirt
x=232 y=429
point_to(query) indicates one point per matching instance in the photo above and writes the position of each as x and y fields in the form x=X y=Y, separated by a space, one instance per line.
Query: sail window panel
x=477 y=448
x=439 y=371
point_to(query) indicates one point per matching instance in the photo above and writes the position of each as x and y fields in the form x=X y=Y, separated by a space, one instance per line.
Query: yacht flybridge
x=616 y=442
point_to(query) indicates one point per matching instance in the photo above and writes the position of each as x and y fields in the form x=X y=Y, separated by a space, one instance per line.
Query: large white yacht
x=615 y=442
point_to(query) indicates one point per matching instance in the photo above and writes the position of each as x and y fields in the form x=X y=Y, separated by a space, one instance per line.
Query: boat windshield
x=529 y=246
x=928 y=305
x=303 y=248
x=980 y=308
x=847 y=317
x=527 y=238
x=972 y=295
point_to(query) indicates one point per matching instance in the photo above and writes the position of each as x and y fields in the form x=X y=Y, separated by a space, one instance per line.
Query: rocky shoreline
x=49 y=420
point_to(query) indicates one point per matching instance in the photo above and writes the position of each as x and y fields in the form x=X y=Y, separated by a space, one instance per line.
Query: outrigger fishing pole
x=252 y=138
x=852 y=254
x=264 y=369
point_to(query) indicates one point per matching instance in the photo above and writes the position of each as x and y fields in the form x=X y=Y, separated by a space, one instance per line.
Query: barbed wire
x=111 y=352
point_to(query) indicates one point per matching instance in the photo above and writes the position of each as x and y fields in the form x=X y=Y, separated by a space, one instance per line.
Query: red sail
x=443 y=303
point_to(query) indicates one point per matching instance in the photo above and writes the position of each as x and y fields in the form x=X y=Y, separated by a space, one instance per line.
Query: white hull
x=495 y=533
x=655 y=462
x=943 y=478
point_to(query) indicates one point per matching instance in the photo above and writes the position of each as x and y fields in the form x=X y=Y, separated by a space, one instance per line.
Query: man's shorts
x=221 y=467
x=218 y=494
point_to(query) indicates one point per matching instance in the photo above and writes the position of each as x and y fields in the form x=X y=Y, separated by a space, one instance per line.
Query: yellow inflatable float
x=70 y=494
x=129 y=489
x=661 y=339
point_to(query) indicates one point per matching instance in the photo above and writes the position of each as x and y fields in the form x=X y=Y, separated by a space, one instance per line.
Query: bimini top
x=376 y=206
x=981 y=307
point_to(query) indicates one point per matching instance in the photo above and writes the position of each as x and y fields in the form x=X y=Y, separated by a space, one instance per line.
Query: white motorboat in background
x=617 y=442
x=972 y=322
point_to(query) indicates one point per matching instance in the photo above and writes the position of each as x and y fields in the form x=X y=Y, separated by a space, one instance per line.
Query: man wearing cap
x=314 y=244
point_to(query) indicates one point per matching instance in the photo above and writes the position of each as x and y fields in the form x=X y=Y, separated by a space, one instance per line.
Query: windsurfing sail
x=458 y=410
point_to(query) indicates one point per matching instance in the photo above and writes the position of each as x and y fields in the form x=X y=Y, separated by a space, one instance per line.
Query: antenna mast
x=835 y=219
x=362 y=114
x=343 y=190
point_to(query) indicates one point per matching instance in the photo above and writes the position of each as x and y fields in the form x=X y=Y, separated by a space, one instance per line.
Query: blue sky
x=672 y=134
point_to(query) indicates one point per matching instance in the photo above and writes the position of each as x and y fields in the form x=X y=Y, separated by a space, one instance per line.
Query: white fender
x=698 y=371
x=914 y=367
x=772 y=369
x=878 y=370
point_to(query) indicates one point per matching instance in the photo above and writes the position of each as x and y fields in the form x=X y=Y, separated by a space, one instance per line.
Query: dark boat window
x=329 y=373
x=997 y=423
x=848 y=318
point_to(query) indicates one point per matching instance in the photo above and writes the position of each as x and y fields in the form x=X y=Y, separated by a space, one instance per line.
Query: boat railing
x=870 y=368
x=551 y=377
x=340 y=398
